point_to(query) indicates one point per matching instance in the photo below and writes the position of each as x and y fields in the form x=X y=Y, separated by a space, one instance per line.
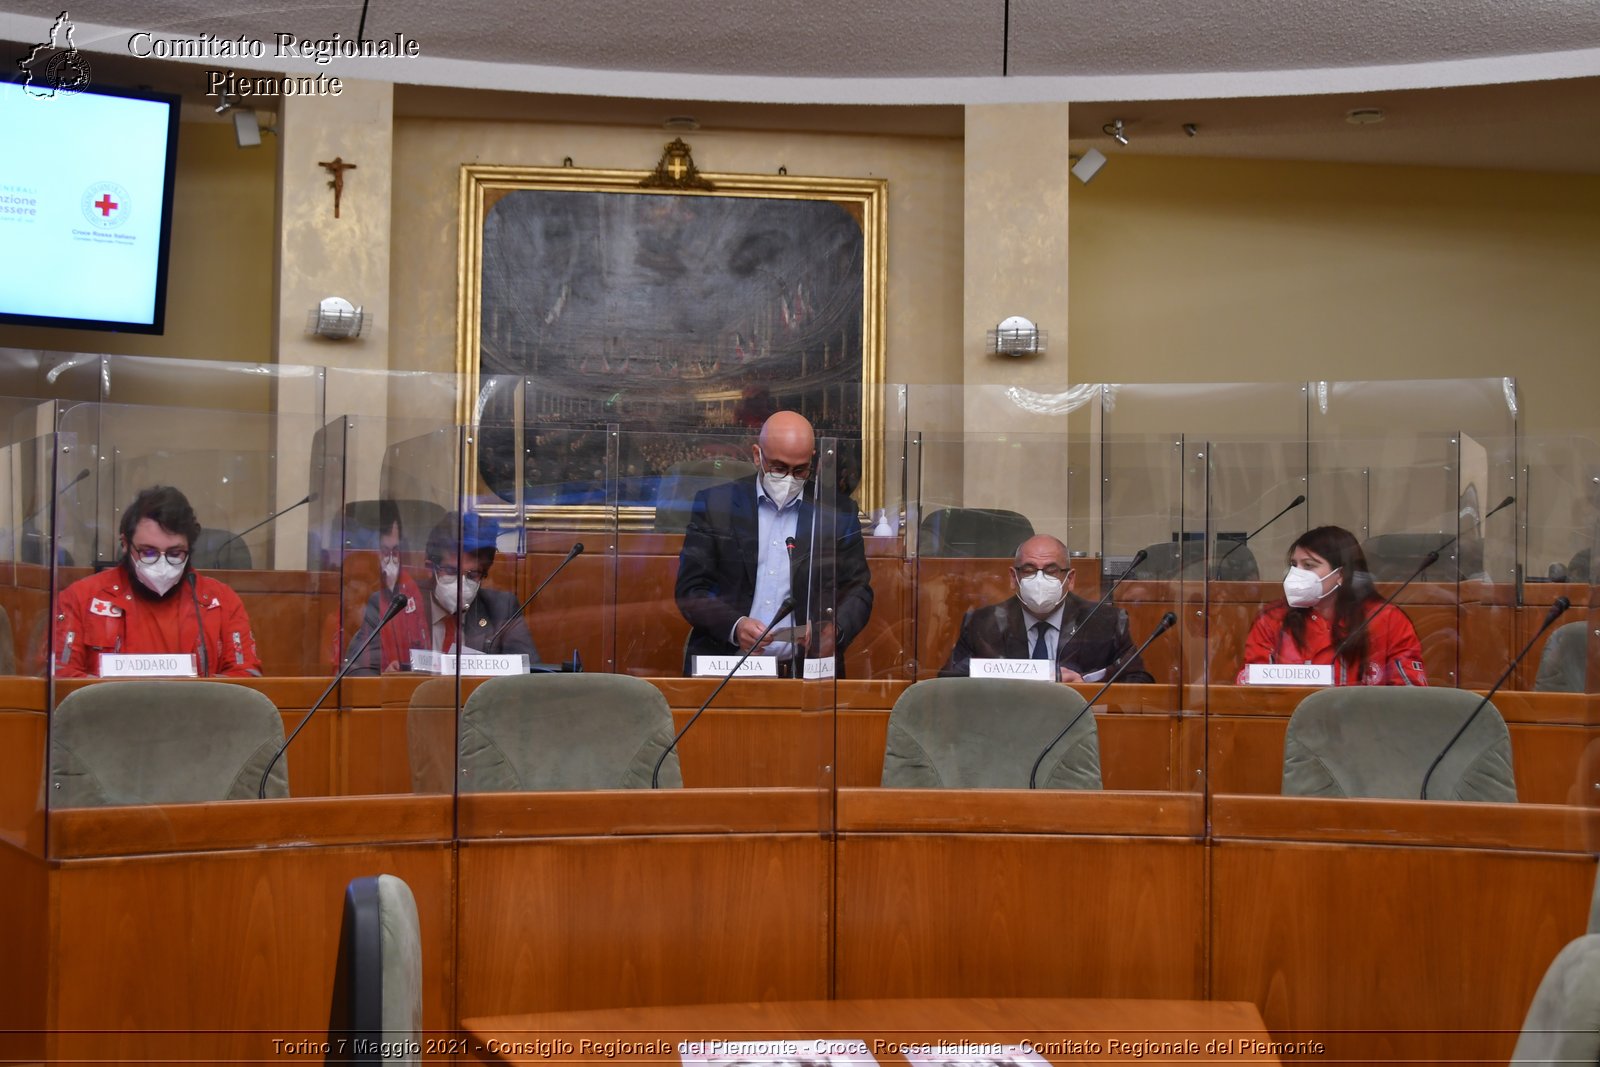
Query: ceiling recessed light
x=1364 y=116
x=681 y=122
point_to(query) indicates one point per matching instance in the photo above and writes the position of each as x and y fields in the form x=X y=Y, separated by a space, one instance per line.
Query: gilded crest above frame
x=681 y=316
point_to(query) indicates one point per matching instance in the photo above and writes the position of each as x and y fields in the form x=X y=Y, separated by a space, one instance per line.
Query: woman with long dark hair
x=1328 y=594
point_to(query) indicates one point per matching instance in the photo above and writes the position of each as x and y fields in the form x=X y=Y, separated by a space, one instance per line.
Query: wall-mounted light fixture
x=1088 y=165
x=336 y=319
x=1113 y=130
x=1016 y=337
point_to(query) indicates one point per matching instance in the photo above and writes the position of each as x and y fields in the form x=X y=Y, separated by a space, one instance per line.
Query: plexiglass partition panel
x=27 y=487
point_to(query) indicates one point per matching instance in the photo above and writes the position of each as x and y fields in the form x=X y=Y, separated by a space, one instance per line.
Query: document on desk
x=777 y=1052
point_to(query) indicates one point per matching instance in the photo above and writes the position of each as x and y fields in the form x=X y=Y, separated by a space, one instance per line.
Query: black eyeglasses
x=150 y=555
x=448 y=572
x=1028 y=570
x=803 y=471
x=389 y=553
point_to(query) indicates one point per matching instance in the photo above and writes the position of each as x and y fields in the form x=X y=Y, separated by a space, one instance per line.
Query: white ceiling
x=1488 y=83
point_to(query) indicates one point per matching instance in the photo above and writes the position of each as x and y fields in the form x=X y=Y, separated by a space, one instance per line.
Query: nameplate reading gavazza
x=1039 y=670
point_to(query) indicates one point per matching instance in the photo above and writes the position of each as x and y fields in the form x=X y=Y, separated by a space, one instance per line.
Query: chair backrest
x=431 y=736
x=1170 y=560
x=1564 y=660
x=675 y=496
x=564 y=731
x=377 y=997
x=967 y=533
x=1563 y=1022
x=139 y=742
x=1395 y=557
x=986 y=733
x=216 y=550
x=1378 y=741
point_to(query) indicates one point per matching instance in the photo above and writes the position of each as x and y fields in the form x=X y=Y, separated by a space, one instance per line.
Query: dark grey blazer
x=1000 y=631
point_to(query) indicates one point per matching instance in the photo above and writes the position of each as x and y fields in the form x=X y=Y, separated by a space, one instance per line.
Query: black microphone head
x=1138 y=558
x=1297 y=501
x=577 y=549
x=784 y=608
x=1559 y=606
x=80 y=476
x=1168 y=621
x=1506 y=503
x=400 y=601
x=311 y=498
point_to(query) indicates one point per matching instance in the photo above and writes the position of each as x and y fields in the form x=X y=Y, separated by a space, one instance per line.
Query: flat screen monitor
x=86 y=207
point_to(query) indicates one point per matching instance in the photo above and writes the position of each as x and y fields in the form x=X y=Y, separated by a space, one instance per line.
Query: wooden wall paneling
x=293 y=616
x=573 y=611
x=1245 y=754
x=585 y=922
x=24 y=734
x=884 y=648
x=213 y=956
x=946 y=589
x=24 y=990
x=1489 y=641
x=1018 y=915
x=1556 y=764
x=27 y=606
x=1421 y=955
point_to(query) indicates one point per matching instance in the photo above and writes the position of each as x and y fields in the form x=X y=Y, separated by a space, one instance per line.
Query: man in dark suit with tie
x=748 y=545
x=1047 y=620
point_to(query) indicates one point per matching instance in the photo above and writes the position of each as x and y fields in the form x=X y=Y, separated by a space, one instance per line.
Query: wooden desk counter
x=1061 y=1030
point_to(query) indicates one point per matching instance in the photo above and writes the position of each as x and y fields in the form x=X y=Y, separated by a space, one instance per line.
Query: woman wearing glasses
x=1045 y=619
x=153 y=601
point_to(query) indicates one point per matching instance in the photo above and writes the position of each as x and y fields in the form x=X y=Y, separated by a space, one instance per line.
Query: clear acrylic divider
x=250 y=599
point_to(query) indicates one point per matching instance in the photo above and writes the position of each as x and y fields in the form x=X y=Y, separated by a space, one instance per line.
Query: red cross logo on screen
x=105 y=205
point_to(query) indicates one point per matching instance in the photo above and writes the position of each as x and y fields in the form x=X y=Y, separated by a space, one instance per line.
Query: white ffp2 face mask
x=455 y=594
x=159 y=577
x=782 y=488
x=1041 y=593
x=391 y=572
x=1303 y=588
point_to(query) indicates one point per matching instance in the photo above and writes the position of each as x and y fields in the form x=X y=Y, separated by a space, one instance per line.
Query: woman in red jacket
x=1328 y=594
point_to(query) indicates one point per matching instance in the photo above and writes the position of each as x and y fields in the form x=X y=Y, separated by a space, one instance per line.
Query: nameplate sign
x=146 y=665
x=1041 y=670
x=818 y=669
x=754 y=667
x=473 y=664
x=1289 y=674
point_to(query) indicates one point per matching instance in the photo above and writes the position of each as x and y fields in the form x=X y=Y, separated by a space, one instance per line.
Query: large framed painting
x=614 y=334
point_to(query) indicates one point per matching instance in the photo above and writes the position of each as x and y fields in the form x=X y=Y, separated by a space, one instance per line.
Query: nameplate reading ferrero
x=1041 y=670
x=754 y=667
x=473 y=664
x=146 y=665
x=1289 y=674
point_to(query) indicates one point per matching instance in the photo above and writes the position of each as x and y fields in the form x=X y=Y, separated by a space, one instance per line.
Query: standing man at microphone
x=464 y=615
x=392 y=650
x=154 y=601
x=1045 y=619
x=748 y=546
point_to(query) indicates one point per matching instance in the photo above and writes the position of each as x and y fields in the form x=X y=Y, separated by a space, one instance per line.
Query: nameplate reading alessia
x=1040 y=670
x=754 y=667
x=1289 y=674
x=146 y=665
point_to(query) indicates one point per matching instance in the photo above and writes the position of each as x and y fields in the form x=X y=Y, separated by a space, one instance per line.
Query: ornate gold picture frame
x=663 y=302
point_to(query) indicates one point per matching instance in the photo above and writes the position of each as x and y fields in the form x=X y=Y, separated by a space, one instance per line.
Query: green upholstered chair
x=1563 y=1022
x=986 y=733
x=1564 y=660
x=564 y=731
x=969 y=533
x=1377 y=741
x=139 y=742
x=378 y=981
x=431 y=736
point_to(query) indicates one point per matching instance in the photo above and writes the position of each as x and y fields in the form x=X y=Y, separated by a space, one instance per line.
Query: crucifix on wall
x=337 y=166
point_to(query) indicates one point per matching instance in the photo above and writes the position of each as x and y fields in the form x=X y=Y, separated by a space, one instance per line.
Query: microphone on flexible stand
x=1296 y=502
x=1138 y=558
x=1168 y=621
x=396 y=606
x=783 y=609
x=573 y=553
x=274 y=517
x=1427 y=561
x=1560 y=605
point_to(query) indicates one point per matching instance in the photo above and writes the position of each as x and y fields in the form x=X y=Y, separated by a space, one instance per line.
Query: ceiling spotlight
x=1191 y=129
x=1364 y=116
x=223 y=105
x=1088 y=165
x=681 y=122
x=1113 y=130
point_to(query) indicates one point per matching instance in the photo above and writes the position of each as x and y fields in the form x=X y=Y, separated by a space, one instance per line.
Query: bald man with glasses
x=1045 y=619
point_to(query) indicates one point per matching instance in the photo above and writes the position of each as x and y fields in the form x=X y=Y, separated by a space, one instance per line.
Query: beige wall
x=1220 y=270
x=219 y=283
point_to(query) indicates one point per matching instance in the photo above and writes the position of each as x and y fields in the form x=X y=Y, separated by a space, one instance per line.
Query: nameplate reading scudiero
x=473 y=664
x=146 y=665
x=1040 y=670
x=754 y=667
x=1289 y=674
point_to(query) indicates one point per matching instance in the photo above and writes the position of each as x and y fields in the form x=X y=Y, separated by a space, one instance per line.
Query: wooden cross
x=337 y=166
